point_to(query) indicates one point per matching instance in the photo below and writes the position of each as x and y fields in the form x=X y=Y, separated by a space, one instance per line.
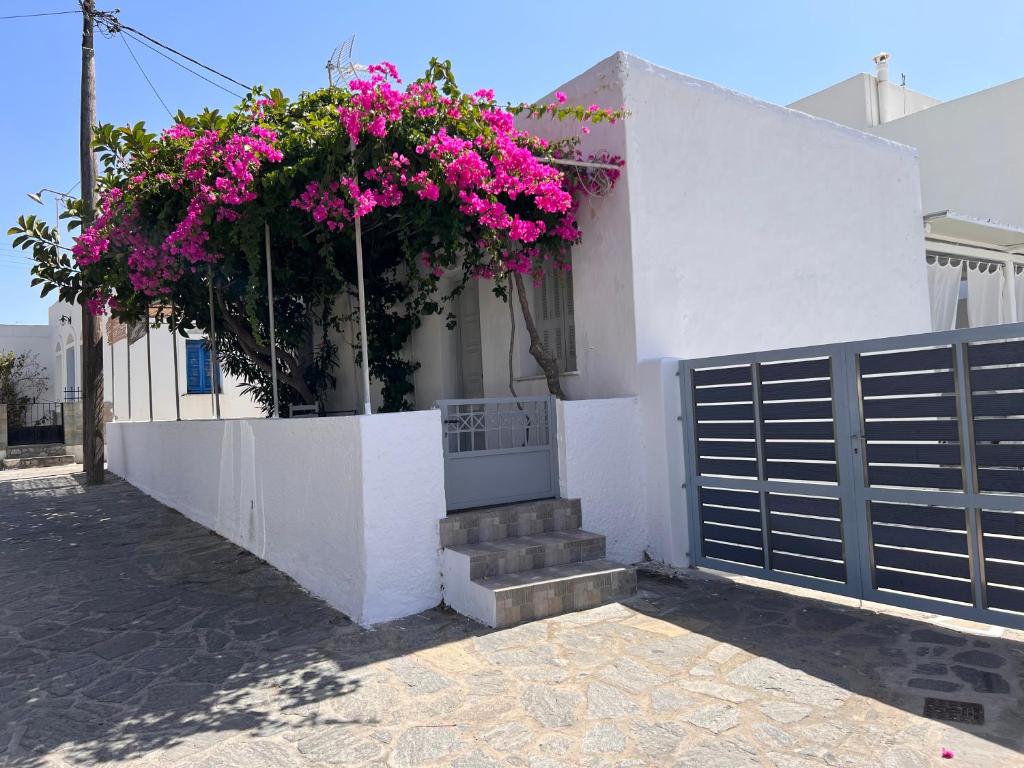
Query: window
x=552 y=305
x=197 y=367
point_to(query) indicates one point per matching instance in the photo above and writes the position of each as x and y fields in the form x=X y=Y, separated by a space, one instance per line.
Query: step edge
x=620 y=568
x=512 y=542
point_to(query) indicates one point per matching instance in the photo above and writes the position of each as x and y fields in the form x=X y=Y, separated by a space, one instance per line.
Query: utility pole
x=92 y=340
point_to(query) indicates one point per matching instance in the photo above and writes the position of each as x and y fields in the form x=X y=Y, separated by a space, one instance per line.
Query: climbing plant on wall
x=441 y=180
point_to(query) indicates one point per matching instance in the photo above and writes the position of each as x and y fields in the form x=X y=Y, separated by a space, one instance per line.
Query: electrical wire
x=37 y=15
x=198 y=63
x=140 y=41
x=167 y=109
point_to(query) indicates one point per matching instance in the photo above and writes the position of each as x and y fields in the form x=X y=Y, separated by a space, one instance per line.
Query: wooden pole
x=92 y=342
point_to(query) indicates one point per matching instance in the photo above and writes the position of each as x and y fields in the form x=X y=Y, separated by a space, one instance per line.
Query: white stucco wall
x=347 y=506
x=663 y=461
x=600 y=462
x=758 y=227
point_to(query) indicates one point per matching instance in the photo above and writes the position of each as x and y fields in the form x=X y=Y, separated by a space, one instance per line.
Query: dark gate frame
x=863 y=449
x=30 y=431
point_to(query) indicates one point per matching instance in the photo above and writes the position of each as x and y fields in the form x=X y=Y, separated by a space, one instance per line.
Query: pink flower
x=947 y=754
x=560 y=97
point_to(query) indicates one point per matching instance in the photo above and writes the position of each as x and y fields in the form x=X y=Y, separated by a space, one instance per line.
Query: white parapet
x=346 y=506
x=601 y=463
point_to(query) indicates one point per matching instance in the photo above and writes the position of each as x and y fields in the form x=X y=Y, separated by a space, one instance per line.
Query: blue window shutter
x=194 y=365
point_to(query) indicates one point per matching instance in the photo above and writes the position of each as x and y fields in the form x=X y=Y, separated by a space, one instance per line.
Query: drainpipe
x=881 y=105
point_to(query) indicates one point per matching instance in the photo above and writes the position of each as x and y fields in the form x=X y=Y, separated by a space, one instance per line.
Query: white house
x=971 y=163
x=736 y=226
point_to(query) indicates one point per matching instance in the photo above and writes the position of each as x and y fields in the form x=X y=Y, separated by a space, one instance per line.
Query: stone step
x=32 y=451
x=488 y=559
x=527 y=595
x=523 y=519
x=31 y=462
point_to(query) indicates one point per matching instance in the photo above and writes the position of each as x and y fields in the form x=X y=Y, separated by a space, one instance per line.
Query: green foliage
x=22 y=378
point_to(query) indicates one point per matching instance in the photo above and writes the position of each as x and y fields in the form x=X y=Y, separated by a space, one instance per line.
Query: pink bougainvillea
x=468 y=154
x=483 y=174
x=218 y=174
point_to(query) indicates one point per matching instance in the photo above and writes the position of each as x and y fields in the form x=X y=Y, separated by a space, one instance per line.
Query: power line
x=187 y=69
x=37 y=15
x=124 y=40
x=184 y=56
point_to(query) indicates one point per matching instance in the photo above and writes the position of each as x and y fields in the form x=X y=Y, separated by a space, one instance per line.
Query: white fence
x=347 y=506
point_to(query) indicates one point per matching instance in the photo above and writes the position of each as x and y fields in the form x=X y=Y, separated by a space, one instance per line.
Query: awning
x=951 y=225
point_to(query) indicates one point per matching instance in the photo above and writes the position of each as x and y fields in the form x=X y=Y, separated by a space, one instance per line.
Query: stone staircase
x=509 y=564
x=29 y=456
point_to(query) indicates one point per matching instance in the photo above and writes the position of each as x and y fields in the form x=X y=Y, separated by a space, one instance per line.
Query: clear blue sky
x=778 y=51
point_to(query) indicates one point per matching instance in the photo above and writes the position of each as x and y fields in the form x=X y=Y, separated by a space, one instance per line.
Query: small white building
x=971 y=162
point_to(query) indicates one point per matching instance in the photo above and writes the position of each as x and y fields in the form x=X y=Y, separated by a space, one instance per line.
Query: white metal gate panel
x=499 y=450
x=891 y=470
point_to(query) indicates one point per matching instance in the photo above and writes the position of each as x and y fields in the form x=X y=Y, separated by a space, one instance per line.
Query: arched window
x=70 y=366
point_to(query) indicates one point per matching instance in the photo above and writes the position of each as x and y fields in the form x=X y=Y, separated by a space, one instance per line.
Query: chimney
x=882 y=67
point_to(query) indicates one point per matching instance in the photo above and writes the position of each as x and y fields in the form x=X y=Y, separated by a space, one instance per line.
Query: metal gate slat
x=940 y=527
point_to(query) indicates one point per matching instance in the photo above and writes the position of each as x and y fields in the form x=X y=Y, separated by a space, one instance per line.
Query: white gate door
x=499 y=450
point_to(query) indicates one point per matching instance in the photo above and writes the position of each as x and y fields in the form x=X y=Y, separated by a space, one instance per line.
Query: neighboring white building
x=971 y=162
x=58 y=348
x=27 y=339
x=152 y=362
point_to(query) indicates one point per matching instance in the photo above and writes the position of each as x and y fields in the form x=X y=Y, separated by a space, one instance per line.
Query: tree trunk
x=547 y=361
x=290 y=373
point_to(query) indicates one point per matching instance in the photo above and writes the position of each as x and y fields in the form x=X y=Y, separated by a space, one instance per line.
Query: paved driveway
x=130 y=636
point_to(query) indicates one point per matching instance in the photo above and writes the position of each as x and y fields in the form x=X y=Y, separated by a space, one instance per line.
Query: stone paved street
x=130 y=636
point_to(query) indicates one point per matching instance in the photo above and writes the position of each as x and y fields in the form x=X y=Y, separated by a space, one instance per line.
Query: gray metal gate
x=890 y=470
x=499 y=450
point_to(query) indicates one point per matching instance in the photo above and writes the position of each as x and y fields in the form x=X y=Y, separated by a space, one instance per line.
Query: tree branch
x=291 y=373
x=548 y=363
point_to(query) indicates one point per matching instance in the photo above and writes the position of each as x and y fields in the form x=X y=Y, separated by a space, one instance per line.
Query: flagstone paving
x=131 y=636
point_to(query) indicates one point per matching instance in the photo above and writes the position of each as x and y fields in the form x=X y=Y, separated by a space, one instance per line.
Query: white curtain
x=944 y=290
x=1018 y=288
x=985 y=284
